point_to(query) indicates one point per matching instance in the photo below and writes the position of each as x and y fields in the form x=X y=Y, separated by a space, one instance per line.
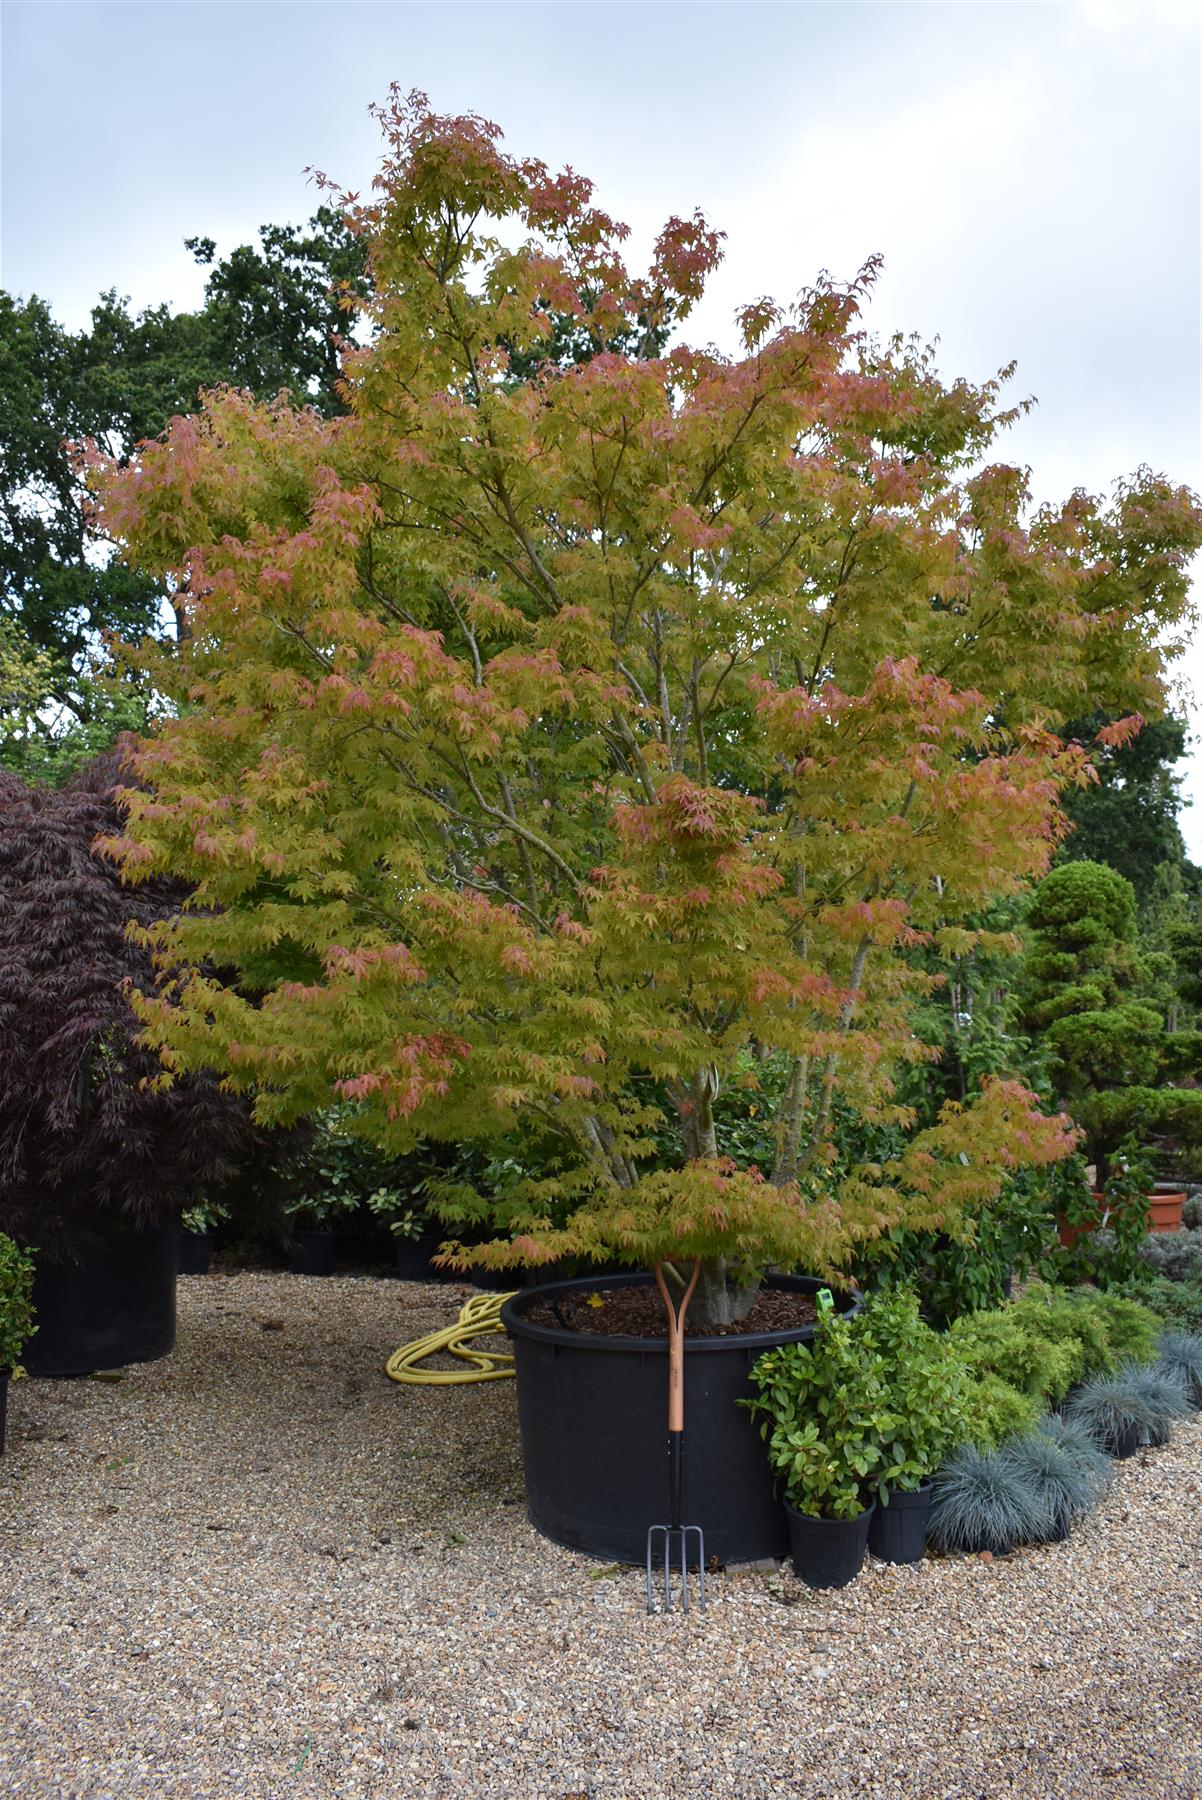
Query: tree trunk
x=723 y=1295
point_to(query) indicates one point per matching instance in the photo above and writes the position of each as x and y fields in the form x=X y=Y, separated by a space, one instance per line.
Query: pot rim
x=519 y=1327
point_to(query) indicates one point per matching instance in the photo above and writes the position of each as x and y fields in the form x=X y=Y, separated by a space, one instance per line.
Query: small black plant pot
x=196 y=1251
x=897 y=1533
x=827 y=1553
x=314 y=1252
x=4 y=1374
x=1124 y=1443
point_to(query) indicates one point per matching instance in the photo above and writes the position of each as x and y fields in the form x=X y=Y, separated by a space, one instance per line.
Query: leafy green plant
x=1191 y=1212
x=871 y=1405
x=206 y=1216
x=825 y=1416
x=980 y=1500
x=337 y=1173
x=16 y=1301
x=395 y=1209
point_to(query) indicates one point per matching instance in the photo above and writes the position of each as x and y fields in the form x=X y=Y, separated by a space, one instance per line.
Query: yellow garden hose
x=480 y=1317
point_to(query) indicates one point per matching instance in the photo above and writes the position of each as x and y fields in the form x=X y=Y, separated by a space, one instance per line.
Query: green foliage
x=1128 y=817
x=1177 y=1303
x=1044 y=1343
x=206 y=1216
x=956 y=1276
x=872 y=1404
x=995 y=1411
x=16 y=1302
x=337 y=1174
x=1002 y=1344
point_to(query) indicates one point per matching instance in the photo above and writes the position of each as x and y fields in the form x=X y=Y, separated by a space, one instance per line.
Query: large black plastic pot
x=111 y=1305
x=593 y=1413
x=897 y=1533
x=828 y=1553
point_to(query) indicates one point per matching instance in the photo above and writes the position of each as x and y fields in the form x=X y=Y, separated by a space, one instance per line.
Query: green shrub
x=824 y=1418
x=872 y=1404
x=1177 y=1303
x=994 y=1411
x=16 y=1302
x=1005 y=1344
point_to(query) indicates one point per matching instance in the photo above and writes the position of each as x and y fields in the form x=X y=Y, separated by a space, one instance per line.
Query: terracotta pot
x=1164 y=1214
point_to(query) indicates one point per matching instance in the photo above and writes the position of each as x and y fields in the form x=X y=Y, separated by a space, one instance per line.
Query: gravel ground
x=258 y=1568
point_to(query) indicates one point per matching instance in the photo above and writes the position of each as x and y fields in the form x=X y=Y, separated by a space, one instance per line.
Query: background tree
x=270 y=320
x=561 y=747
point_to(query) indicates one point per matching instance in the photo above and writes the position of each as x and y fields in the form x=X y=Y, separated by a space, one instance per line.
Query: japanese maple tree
x=561 y=745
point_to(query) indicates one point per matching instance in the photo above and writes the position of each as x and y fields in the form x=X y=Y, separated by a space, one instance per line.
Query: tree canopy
x=560 y=746
x=270 y=320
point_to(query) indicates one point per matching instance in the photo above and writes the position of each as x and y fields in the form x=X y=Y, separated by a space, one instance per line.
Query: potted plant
x=409 y=1226
x=827 y=1421
x=98 y=1153
x=16 y=1315
x=198 y=1226
x=621 y=719
x=928 y=1397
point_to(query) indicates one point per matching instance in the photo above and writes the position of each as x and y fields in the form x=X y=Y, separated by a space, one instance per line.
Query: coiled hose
x=480 y=1317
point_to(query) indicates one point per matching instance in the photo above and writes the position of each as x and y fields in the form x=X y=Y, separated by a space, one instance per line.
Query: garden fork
x=674 y=1537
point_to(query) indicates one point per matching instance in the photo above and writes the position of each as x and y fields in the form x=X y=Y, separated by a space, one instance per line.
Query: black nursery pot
x=314 y=1252
x=593 y=1413
x=828 y=1553
x=196 y=1251
x=1125 y=1443
x=112 y=1304
x=413 y=1257
x=897 y=1533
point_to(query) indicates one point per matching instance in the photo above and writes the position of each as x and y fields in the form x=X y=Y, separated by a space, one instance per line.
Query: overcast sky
x=1030 y=171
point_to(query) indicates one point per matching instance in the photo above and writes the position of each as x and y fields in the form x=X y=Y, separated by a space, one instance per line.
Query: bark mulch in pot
x=639 y=1312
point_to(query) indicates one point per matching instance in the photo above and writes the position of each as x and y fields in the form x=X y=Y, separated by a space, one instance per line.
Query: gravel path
x=258 y=1568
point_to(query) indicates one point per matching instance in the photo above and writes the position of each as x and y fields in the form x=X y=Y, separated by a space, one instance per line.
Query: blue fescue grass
x=980 y=1501
x=1107 y=1406
x=1181 y=1360
x=1067 y=1477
